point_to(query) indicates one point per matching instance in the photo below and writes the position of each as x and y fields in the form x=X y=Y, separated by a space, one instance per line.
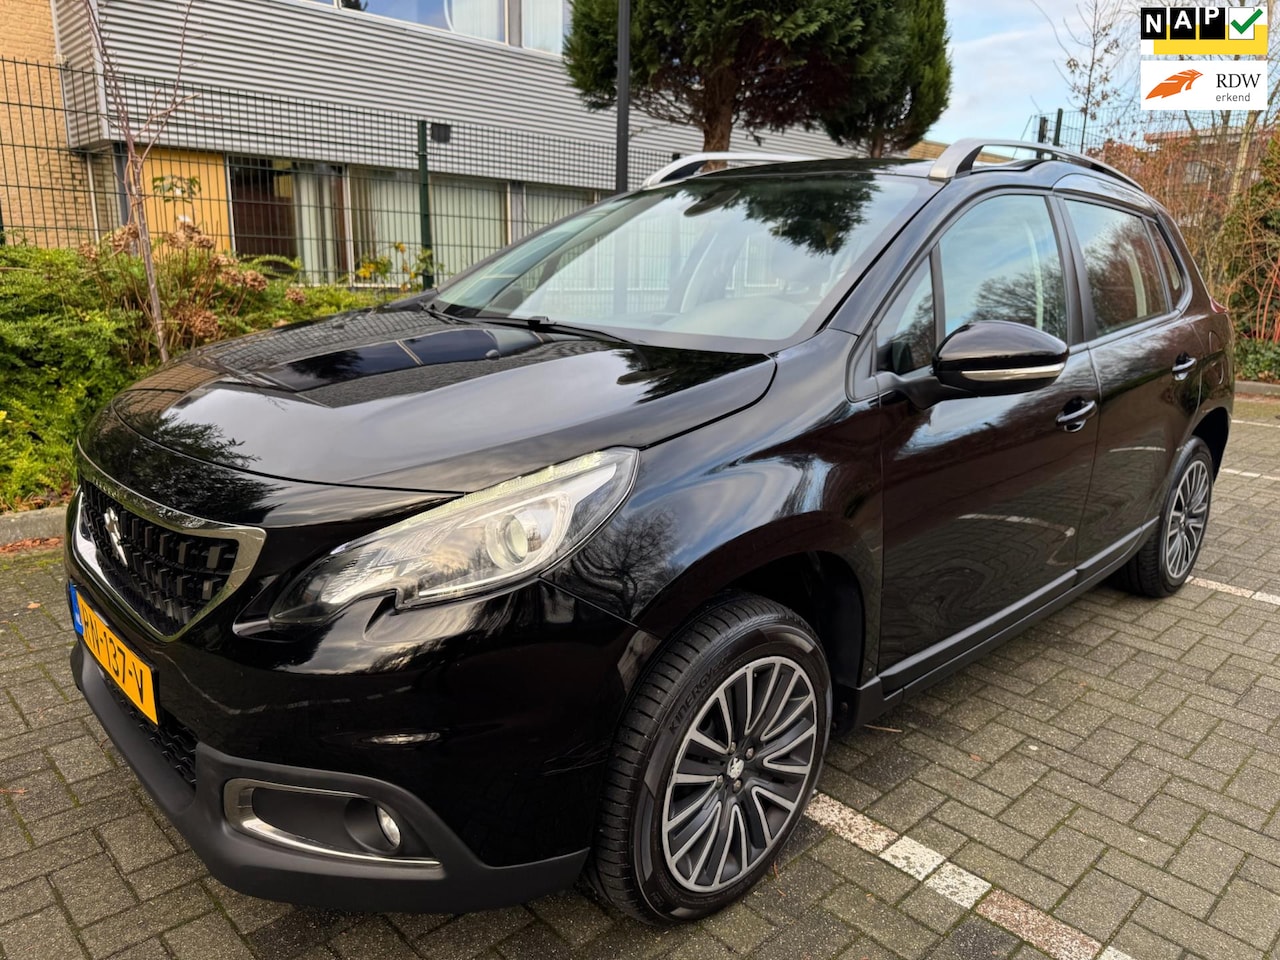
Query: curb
x=1254 y=389
x=26 y=524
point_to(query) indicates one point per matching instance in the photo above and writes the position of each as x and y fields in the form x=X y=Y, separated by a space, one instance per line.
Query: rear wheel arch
x=1214 y=428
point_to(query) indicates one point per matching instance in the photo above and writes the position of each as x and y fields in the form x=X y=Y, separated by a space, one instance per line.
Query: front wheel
x=714 y=762
x=1166 y=560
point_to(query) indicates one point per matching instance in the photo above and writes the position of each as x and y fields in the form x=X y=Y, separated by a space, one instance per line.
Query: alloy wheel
x=739 y=775
x=1188 y=514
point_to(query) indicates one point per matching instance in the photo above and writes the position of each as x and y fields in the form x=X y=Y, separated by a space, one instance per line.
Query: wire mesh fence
x=1201 y=166
x=350 y=195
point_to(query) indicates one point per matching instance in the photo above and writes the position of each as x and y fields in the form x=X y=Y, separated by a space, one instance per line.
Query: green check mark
x=1242 y=27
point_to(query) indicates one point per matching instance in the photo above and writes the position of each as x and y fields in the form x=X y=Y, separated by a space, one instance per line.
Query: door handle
x=1076 y=414
x=1183 y=366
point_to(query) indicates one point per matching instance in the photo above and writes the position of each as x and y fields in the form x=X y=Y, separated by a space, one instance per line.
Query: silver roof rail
x=958 y=159
x=689 y=166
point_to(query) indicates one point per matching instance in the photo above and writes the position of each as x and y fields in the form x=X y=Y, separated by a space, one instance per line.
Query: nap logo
x=1203 y=31
x=1204 y=85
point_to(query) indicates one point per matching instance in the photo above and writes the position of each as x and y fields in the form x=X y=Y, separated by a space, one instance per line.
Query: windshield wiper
x=536 y=324
x=439 y=314
x=546 y=325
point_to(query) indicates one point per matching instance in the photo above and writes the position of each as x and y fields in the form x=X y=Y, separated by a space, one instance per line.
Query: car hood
x=398 y=399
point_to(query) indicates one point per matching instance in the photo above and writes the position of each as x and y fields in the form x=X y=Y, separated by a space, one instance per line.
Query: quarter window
x=1124 y=280
x=905 y=337
x=1000 y=261
x=1171 y=269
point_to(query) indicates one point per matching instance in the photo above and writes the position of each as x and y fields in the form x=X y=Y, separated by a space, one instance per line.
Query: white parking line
x=1248 y=594
x=968 y=890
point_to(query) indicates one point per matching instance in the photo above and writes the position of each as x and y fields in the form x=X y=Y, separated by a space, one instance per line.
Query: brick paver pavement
x=1106 y=784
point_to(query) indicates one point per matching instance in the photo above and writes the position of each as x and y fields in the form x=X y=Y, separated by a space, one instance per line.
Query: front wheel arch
x=824 y=587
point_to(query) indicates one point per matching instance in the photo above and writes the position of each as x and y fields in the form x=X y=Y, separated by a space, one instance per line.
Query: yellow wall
x=28 y=29
x=208 y=208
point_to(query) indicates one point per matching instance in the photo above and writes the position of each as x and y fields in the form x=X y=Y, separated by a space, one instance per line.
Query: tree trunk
x=876 y=147
x=718 y=129
x=138 y=212
x=719 y=101
x=1242 y=156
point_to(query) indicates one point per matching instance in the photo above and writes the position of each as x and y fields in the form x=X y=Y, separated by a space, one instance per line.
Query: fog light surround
x=330 y=823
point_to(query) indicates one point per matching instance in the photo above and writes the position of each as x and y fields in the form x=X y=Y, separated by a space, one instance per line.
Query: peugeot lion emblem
x=112 y=523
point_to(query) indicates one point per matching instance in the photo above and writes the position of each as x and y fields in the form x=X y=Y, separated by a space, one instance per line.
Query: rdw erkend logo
x=1203 y=85
x=1178 y=83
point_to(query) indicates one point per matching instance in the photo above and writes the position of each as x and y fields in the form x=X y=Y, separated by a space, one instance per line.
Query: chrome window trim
x=237 y=807
x=249 y=539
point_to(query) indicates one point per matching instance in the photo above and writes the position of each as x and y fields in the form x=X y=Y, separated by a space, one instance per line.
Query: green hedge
x=55 y=372
x=66 y=348
x=1257 y=360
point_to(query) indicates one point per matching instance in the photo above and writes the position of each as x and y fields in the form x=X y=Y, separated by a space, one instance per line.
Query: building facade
x=349 y=134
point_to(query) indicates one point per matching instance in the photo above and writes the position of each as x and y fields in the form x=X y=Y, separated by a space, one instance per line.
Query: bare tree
x=139 y=138
x=1249 y=128
x=1092 y=49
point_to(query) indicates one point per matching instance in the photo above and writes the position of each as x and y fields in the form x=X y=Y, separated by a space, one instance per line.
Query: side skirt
x=914 y=674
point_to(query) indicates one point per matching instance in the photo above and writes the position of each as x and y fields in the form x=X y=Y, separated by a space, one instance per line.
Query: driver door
x=983 y=495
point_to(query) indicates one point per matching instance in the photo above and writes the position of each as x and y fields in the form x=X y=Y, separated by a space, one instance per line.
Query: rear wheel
x=1166 y=560
x=714 y=762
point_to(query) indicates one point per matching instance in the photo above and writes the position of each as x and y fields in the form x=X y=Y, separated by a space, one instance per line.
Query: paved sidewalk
x=1107 y=785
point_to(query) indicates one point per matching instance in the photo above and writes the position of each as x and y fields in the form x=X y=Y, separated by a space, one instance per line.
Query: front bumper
x=488 y=721
x=452 y=881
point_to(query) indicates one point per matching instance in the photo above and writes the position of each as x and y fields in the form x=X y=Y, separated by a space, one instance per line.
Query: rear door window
x=1125 y=283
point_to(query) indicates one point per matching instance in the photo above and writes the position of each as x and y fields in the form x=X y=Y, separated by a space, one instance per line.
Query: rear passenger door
x=1146 y=354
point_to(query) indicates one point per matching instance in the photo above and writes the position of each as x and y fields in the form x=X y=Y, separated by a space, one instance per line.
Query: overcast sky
x=1003 y=67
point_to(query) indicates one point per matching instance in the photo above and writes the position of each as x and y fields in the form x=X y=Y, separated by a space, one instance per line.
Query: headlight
x=476 y=543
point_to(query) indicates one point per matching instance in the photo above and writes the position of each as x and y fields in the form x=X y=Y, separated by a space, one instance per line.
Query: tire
x=1166 y=560
x=661 y=853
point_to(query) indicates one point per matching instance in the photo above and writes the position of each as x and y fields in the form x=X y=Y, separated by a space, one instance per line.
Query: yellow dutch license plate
x=119 y=663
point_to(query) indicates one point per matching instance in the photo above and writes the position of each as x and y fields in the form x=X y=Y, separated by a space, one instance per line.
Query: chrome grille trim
x=249 y=542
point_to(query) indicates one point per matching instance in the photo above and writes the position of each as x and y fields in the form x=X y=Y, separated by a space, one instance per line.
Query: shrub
x=37 y=281
x=205 y=295
x=56 y=371
x=1250 y=240
x=1257 y=360
x=73 y=332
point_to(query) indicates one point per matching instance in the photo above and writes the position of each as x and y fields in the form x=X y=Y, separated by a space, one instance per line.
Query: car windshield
x=727 y=263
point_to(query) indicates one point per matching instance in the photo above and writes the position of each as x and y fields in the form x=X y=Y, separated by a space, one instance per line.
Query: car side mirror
x=996 y=357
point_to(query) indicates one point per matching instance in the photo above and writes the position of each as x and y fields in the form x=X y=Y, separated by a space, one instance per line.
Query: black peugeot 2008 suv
x=574 y=564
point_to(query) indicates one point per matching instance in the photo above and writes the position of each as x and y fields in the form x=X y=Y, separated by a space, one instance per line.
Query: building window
x=468 y=221
x=386 y=227
x=486 y=19
x=291 y=209
x=544 y=24
x=543 y=204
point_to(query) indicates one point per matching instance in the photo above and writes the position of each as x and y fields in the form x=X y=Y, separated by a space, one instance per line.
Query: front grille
x=166 y=577
x=174 y=740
